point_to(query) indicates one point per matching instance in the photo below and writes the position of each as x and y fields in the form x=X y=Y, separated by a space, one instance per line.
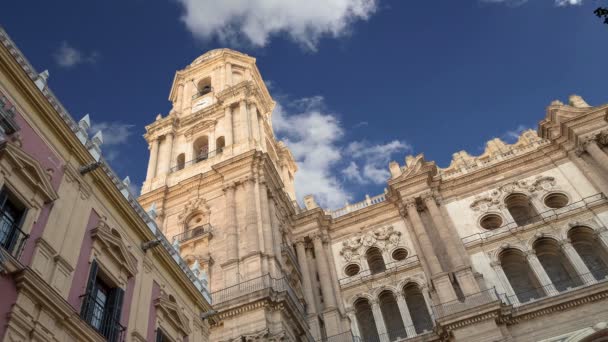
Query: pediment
x=111 y=239
x=199 y=127
x=417 y=165
x=174 y=315
x=30 y=168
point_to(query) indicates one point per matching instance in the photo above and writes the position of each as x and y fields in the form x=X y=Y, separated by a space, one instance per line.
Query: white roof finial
x=42 y=79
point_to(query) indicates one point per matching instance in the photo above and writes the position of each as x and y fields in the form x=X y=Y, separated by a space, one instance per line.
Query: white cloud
x=559 y=3
x=114 y=133
x=68 y=56
x=315 y=137
x=312 y=136
x=512 y=136
x=255 y=21
x=374 y=158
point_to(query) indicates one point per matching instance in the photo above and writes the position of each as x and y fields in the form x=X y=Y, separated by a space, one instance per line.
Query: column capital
x=410 y=203
x=229 y=187
x=317 y=236
x=530 y=254
x=301 y=241
x=496 y=264
x=428 y=197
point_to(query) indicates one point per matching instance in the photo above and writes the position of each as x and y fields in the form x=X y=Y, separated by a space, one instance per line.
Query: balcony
x=196 y=232
x=394 y=266
x=200 y=158
x=203 y=92
x=288 y=251
x=97 y=316
x=537 y=221
x=264 y=285
x=12 y=238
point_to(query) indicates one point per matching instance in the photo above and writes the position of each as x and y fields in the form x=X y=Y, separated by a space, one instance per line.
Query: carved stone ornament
x=383 y=238
x=493 y=200
x=195 y=205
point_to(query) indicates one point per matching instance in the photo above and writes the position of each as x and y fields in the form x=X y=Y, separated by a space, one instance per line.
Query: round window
x=491 y=221
x=399 y=254
x=352 y=270
x=556 y=200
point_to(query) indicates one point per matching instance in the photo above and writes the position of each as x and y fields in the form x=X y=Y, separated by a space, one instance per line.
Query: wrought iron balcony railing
x=390 y=267
x=285 y=248
x=203 y=92
x=468 y=302
x=193 y=233
x=247 y=287
x=12 y=238
x=96 y=315
x=544 y=217
x=556 y=288
x=199 y=158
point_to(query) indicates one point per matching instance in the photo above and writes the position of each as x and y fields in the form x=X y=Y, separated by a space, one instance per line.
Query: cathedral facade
x=511 y=245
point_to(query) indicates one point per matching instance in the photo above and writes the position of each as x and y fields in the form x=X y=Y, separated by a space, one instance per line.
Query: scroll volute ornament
x=383 y=237
x=197 y=205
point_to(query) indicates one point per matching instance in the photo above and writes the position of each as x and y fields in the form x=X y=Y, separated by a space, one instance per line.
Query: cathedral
x=510 y=245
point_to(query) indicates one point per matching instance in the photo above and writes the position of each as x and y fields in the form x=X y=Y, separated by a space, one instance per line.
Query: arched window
x=375 y=261
x=391 y=315
x=201 y=149
x=521 y=209
x=590 y=250
x=181 y=161
x=203 y=87
x=520 y=275
x=365 y=320
x=416 y=305
x=220 y=143
x=555 y=263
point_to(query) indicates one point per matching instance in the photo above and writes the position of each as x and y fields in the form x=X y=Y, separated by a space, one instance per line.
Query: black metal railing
x=247 y=287
x=96 y=315
x=557 y=287
x=287 y=249
x=12 y=238
x=390 y=267
x=202 y=156
x=203 y=92
x=193 y=233
x=544 y=217
x=468 y=302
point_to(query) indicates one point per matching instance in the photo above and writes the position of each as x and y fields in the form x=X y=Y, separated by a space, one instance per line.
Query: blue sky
x=358 y=82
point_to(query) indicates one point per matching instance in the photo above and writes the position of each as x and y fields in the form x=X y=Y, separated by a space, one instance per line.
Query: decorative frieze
x=383 y=238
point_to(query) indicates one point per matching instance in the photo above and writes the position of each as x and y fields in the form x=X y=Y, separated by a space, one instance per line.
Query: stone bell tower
x=222 y=188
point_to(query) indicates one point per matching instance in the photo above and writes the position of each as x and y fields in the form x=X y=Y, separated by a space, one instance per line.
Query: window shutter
x=112 y=316
x=86 y=311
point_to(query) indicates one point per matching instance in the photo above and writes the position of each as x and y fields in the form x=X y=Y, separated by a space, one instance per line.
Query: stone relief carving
x=194 y=205
x=493 y=200
x=383 y=238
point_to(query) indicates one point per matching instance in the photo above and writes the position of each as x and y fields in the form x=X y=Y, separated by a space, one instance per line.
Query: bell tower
x=222 y=188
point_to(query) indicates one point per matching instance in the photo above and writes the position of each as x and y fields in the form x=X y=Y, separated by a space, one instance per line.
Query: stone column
x=506 y=284
x=423 y=237
x=541 y=274
x=211 y=137
x=382 y=333
x=245 y=124
x=232 y=243
x=266 y=228
x=153 y=160
x=323 y=269
x=169 y=151
x=180 y=97
x=334 y=277
x=354 y=325
x=579 y=265
x=405 y=316
x=602 y=235
x=275 y=230
x=463 y=272
x=255 y=126
x=306 y=281
x=428 y=302
x=262 y=132
x=228 y=137
x=441 y=280
x=251 y=219
x=597 y=154
x=228 y=75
